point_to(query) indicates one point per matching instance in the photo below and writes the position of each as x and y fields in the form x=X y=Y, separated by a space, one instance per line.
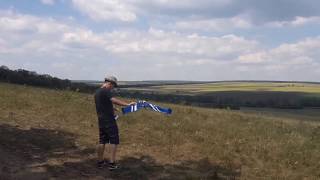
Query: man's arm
x=120 y=102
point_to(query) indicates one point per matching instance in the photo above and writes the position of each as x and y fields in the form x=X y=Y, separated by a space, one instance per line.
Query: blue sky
x=163 y=39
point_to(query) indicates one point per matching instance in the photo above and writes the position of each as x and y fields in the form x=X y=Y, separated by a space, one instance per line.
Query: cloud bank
x=189 y=40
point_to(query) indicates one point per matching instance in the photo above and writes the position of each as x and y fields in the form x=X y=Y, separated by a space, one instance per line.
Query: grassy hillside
x=52 y=134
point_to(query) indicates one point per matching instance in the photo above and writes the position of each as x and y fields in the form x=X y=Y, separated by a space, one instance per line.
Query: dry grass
x=193 y=143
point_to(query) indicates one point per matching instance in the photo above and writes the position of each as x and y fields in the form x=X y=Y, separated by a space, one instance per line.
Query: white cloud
x=276 y=12
x=68 y=50
x=203 y=15
x=48 y=41
x=158 y=42
x=25 y=32
x=295 y=61
x=296 y=22
x=299 y=21
x=305 y=50
x=106 y=10
x=17 y=23
x=186 y=5
x=48 y=2
x=216 y=24
x=254 y=58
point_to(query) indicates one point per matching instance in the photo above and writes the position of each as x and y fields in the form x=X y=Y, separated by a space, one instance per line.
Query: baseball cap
x=112 y=79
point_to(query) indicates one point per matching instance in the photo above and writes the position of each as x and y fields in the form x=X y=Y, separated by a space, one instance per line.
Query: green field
x=49 y=134
x=235 y=86
x=235 y=95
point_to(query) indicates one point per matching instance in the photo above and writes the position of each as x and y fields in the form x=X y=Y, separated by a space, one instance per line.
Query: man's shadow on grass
x=43 y=154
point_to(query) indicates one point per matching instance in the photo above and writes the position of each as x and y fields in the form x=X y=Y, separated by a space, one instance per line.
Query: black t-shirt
x=103 y=102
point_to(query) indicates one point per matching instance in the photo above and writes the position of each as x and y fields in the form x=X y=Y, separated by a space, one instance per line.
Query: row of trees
x=32 y=78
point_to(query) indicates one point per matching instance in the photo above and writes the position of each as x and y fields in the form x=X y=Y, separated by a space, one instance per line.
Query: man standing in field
x=108 y=128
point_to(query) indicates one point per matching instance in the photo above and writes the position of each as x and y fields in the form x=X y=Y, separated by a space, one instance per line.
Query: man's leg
x=114 y=141
x=100 y=151
x=103 y=139
x=113 y=153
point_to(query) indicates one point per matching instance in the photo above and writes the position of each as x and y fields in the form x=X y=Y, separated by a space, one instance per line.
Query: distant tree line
x=25 y=77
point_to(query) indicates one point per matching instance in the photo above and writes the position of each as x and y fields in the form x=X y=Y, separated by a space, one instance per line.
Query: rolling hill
x=51 y=134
